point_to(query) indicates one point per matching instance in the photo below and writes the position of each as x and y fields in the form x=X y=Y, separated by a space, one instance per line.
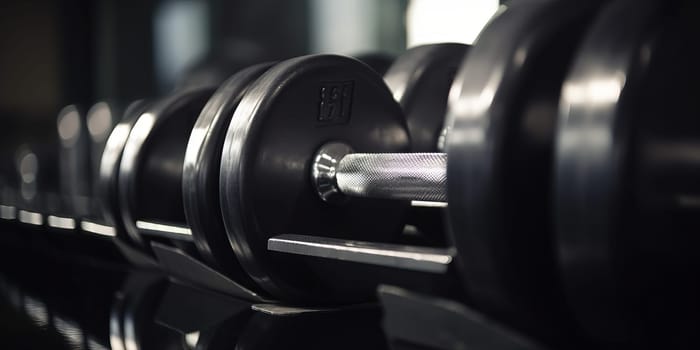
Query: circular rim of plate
x=410 y=66
x=203 y=156
x=109 y=165
x=590 y=155
x=149 y=120
x=480 y=108
x=407 y=76
x=240 y=137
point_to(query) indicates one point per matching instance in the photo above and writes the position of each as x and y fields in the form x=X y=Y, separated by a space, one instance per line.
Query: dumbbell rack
x=408 y=318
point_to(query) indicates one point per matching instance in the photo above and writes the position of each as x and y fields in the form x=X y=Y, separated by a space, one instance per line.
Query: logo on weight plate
x=336 y=100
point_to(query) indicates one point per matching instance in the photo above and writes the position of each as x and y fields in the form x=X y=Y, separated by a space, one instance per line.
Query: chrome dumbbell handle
x=338 y=172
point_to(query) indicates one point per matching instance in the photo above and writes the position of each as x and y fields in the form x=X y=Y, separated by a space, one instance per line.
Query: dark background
x=55 y=53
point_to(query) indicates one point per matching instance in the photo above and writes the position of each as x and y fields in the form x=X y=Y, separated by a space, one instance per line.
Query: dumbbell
x=202 y=159
x=419 y=78
x=37 y=168
x=54 y=173
x=144 y=182
x=203 y=224
x=81 y=138
x=28 y=169
x=102 y=118
x=502 y=111
x=30 y=172
x=65 y=178
x=626 y=171
x=151 y=166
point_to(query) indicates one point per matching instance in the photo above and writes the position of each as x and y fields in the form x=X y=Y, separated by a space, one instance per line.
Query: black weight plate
x=287 y=114
x=503 y=106
x=420 y=80
x=200 y=175
x=150 y=172
x=628 y=129
x=107 y=183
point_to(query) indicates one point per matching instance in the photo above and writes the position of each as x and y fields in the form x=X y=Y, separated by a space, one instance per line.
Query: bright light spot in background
x=342 y=26
x=435 y=21
x=355 y=27
x=69 y=125
x=99 y=121
x=181 y=36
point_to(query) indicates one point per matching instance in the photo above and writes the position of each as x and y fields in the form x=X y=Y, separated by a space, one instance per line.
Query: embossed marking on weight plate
x=335 y=102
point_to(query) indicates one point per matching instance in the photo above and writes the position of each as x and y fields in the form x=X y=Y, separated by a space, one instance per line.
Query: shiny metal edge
x=98 y=229
x=429 y=204
x=166 y=230
x=30 y=217
x=61 y=222
x=8 y=212
x=433 y=260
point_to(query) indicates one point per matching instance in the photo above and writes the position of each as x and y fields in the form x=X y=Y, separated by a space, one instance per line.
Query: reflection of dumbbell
x=73 y=307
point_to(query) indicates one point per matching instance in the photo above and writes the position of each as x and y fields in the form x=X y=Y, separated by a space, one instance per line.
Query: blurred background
x=59 y=53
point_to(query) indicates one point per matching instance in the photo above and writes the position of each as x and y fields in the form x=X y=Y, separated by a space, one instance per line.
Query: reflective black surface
x=52 y=300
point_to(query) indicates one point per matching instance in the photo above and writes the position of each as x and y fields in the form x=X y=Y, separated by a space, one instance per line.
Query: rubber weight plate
x=503 y=105
x=107 y=181
x=626 y=168
x=200 y=176
x=150 y=173
x=284 y=118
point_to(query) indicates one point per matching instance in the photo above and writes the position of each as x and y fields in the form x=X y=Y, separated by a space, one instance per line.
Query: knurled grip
x=407 y=176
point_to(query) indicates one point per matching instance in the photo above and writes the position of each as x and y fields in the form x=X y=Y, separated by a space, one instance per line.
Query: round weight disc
x=628 y=119
x=150 y=173
x=107 y=186
x=285 y=117
x=503 y=107
x=200 y=175
x=420 y=80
